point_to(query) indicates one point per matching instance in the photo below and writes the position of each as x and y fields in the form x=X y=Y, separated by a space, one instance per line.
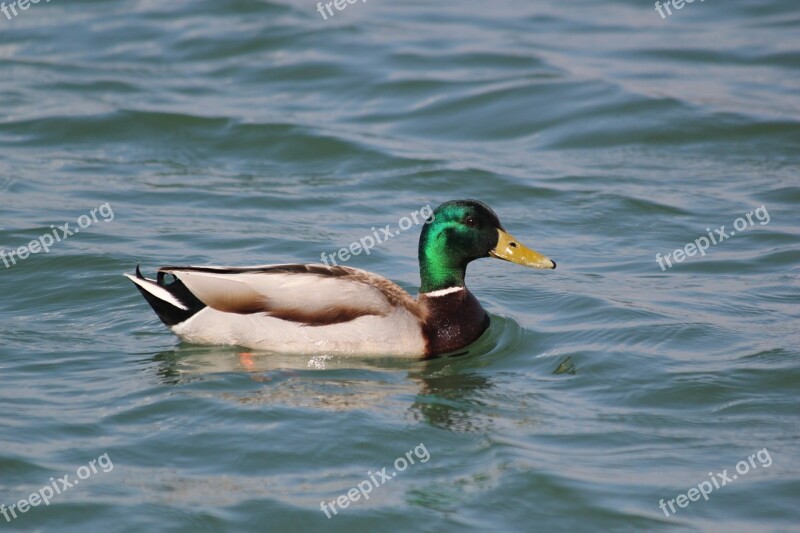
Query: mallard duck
x=316 y=309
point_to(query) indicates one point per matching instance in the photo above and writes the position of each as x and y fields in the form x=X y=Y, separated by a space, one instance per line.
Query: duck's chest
x=453 y=321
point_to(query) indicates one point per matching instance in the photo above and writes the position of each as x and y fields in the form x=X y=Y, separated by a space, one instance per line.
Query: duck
x=320 y=309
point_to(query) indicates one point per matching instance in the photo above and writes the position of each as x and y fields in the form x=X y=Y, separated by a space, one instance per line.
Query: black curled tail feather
x=169 y=313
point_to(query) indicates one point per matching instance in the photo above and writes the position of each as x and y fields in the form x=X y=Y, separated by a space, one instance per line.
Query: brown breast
x=452 y=321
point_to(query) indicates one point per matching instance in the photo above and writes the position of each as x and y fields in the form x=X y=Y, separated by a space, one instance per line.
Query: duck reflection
x=451 y=398
x=445 y=393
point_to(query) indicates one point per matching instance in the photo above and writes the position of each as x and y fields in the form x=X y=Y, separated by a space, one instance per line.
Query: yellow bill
x=509 y=249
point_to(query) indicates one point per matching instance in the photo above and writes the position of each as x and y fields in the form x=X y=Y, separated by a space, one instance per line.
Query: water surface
x=250 y=132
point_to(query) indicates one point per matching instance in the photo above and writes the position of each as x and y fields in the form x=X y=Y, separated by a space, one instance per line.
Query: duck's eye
x=471 y=222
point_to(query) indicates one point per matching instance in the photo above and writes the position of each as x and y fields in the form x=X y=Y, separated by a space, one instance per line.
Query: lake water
x=253 y=132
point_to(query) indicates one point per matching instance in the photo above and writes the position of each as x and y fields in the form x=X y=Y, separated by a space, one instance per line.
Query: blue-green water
x=251 y=132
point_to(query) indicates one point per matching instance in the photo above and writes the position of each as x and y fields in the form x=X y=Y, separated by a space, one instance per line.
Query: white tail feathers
x=152 y=287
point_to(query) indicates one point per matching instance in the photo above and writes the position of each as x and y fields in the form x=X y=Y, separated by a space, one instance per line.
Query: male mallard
x=318 y=309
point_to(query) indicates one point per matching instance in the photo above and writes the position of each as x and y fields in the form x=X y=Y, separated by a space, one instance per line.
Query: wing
x=312 y=295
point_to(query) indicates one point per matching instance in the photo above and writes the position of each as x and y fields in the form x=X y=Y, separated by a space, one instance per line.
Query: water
x=249 y=132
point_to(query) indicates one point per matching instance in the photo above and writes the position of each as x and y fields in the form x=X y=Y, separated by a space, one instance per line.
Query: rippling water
x=248 y=132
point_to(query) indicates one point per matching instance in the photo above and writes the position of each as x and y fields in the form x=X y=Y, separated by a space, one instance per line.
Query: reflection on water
x=451 y=399
x=446 y=393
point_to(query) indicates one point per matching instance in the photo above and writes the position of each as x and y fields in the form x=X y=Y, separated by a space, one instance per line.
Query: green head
x=459 y=232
